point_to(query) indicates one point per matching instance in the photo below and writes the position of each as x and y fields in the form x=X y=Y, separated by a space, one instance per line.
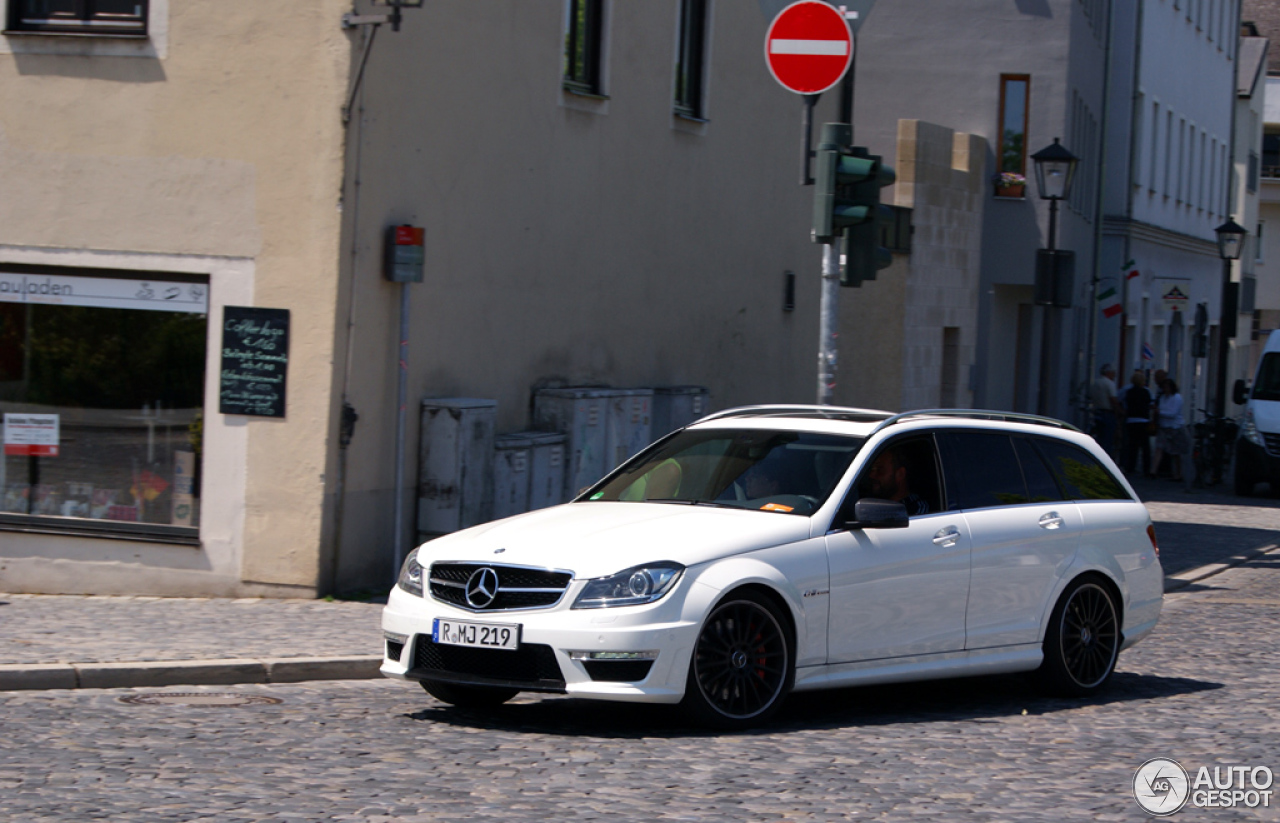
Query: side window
x=1081 y=475
x=1041 y=485
x=981 y=470
x=905 y=470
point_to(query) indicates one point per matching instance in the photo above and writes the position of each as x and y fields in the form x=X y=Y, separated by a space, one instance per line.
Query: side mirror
x=873 y=513
x=1240 y=393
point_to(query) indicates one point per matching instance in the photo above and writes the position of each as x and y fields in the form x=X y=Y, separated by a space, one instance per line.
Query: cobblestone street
x=1201 y=690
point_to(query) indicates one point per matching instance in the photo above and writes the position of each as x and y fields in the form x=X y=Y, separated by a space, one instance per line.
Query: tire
x=1243 y=482
x=468 y=697
x=743 y=665
x=1082 y=641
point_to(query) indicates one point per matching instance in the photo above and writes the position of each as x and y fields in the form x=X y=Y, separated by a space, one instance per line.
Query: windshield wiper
x=689 y=502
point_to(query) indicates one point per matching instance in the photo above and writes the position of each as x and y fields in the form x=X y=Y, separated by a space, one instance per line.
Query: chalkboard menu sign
x=255 y=361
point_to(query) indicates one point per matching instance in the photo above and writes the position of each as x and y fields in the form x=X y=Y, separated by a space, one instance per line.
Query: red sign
x=808 y=47
x=410 y=236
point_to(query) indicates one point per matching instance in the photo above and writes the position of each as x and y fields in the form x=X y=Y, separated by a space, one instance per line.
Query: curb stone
x=153 y=674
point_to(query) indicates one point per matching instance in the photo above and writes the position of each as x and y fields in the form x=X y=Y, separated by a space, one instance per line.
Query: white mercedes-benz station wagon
x=772 y=549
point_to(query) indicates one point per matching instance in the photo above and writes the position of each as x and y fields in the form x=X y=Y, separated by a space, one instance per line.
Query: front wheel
x=742 y=665
x=1083 y=640
x=468 y=697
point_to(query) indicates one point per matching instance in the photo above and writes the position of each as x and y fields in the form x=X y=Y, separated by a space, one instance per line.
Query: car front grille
x=517 y=587
x=532 y=667
x=1273 y=443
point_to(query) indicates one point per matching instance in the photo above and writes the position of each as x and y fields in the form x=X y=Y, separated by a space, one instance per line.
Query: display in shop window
x=102 y=393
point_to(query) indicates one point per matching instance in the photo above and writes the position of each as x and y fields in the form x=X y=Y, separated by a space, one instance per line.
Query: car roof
x=866 y=422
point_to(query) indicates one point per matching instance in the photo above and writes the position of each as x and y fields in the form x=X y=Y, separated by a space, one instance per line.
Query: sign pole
x=828 y=325
x=808 y=49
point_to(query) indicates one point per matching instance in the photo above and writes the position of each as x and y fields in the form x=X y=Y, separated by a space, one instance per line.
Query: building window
x=1254 y=171
x=583 y=47
x=690 y=62
x=1257 y=244
x=1155 y=147
x=1015 y=91
x=105 y=17
x=101 y=395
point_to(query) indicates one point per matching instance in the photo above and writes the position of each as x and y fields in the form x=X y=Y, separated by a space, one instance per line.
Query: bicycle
x=1214 y=437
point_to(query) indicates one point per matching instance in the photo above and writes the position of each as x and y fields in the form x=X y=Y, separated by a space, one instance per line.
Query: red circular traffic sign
x=808 y=47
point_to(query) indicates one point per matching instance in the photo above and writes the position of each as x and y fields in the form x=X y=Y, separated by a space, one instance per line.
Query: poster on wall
x=255 y=361
x=31 y=435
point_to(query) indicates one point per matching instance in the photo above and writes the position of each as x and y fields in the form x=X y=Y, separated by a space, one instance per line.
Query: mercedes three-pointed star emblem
x=482 y=588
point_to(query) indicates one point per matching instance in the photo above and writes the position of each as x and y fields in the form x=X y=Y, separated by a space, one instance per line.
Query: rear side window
x=981 y=470
x=1080 y=474
x=1041 y=485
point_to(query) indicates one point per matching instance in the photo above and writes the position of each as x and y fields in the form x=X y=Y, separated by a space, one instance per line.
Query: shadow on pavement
x=1185 y=546
x=977 y=700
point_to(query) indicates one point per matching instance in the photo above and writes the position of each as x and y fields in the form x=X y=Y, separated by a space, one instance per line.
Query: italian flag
x=1109 y=302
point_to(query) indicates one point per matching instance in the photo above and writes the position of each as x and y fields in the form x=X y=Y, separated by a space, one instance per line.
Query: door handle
x=1051 y=521
x=947 y=537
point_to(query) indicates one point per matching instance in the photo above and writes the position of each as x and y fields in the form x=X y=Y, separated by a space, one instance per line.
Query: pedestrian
x=1137 y=425
x=1171 y=429
x=1106 y=408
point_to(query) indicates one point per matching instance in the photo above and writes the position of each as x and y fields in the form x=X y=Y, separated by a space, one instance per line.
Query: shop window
x=101 y=391
x=106 y=17
x=582 y=47
x=689 y=60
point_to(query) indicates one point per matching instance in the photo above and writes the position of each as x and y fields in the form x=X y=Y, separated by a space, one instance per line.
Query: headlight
x=411 y=575
x=1249 y=429
x=633 y=587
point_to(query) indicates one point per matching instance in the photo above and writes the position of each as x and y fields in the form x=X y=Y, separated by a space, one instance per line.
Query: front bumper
x=1254 y=462
x=549 y=638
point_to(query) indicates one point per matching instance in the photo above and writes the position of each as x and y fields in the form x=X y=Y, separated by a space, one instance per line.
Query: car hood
x=595 y=539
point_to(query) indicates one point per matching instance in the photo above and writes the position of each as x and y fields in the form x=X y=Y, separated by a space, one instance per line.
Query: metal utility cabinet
x=456 y=464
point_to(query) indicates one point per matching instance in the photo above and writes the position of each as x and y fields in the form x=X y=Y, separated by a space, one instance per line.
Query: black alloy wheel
x=468 y=697
x=742 y=666
x=1083 y=640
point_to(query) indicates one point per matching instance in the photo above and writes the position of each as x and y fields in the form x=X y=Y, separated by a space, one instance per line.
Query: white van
x=1258 y=449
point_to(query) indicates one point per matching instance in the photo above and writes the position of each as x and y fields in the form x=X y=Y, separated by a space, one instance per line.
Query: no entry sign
x=808 y=47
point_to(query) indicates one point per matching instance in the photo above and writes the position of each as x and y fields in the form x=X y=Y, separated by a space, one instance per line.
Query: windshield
x=776 y=471
x=1267 y=386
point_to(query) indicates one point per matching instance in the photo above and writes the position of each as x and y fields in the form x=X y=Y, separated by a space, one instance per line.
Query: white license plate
x=476 y=635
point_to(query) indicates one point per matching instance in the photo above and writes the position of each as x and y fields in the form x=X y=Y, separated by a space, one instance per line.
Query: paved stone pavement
x=1202 y=689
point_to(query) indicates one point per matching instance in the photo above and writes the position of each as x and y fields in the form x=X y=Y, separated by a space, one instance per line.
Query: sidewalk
x=68 y=642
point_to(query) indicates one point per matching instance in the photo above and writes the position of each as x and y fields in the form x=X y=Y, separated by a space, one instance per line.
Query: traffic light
x=846 y=203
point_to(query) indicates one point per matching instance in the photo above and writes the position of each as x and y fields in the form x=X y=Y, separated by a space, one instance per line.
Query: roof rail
x=978 y=414
x=780 y=410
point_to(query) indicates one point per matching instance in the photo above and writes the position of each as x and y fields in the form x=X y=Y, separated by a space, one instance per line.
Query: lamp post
x=1055 y=172
x=1230 y=245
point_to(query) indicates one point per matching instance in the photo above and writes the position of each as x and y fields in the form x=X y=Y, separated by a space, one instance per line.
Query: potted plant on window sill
x=1010 y=184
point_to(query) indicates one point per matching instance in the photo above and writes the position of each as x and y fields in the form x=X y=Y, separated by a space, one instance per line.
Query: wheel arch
x=725 y=579
x=1107 y=571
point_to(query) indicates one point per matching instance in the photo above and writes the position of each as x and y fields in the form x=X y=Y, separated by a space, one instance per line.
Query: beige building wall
x=570 y=240
x=896 y=351
x=213 y=148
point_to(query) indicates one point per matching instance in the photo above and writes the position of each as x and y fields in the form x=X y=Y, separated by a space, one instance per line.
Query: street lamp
x=1230 y=245
x=1055 y=172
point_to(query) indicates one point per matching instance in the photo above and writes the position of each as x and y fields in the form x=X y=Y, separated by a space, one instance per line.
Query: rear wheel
x=1244 y=482
x=742 y=665
x=1083 y=640
x=468 y=697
